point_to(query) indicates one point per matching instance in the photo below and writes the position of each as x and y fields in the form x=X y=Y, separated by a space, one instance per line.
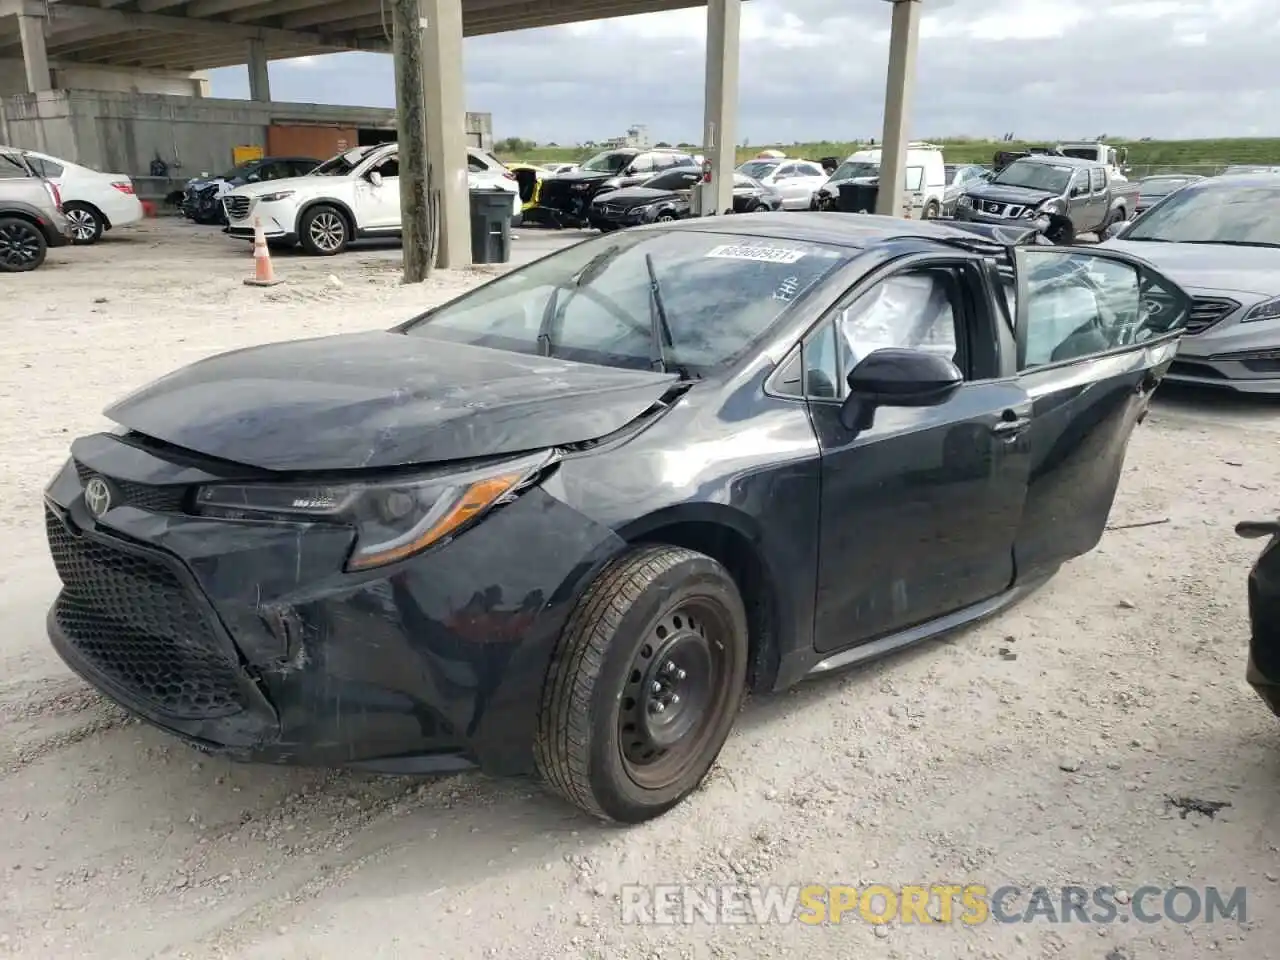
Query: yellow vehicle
x=529 y=177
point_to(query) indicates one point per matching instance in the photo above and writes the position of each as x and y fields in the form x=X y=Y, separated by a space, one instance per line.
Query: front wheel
x=932 y=211
x=323 y=231
x=645 y=685
x=1061 y=232
x=22 y=245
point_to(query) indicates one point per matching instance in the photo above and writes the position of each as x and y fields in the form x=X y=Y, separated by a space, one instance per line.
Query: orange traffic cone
x=263 y=274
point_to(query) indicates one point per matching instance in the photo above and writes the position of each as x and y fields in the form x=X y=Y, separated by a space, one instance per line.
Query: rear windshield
x=592 y=302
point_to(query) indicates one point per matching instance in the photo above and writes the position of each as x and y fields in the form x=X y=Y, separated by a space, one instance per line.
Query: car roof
x=855 y=231
x=1054 y=160
x=1227 y=181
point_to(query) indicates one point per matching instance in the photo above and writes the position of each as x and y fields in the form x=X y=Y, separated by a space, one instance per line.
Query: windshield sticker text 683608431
x=761 y=254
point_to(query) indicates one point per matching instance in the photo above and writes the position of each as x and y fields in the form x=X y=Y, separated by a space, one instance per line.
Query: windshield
x=343 y=163
x=720 y=294
x=856 y=168
x=1163 y=186
x=1214 y=214
x=241 y=171
x=1036 y=175
x=758 y=168
x=607 y=162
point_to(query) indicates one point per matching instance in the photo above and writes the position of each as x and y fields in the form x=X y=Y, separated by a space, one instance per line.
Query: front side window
x=787 y=172
x=1212 y=213
x=1080 y=305
x=913 y=310
x=642 y=164
x=673 y=180
x=593 y=302
x=759 y=169
x=388 y=166
x=610 y=161
x=1035 y=175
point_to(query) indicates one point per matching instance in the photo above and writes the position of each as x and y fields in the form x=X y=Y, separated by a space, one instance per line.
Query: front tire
x=1061 y=232
x=324 y=231
x=645 y=685
x=22 y=246
x=86 y=223
x=932 y=211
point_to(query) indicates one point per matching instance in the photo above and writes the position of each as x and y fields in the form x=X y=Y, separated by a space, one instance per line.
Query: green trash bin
x=490 y=226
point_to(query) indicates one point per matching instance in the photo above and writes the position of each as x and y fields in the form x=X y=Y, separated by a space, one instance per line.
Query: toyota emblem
x=97 y=496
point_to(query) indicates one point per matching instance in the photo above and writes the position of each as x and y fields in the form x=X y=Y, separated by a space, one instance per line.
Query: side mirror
x=375 y=178
x=1114 y=229
x=896 y=377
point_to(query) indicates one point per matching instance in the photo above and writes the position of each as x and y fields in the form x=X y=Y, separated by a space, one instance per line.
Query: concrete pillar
x=720 y=113
x=34 y=56
x=259 y=78
x=904 y=39
x=447 y=127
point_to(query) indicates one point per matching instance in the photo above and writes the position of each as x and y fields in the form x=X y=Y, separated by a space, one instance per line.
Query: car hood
x=382 y=399
x=1254 y=270
x=634 y=195
x=1003 y=193
x=274 y=186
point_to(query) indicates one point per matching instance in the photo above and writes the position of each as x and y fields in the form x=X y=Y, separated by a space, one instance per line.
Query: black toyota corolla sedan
x=564 y=522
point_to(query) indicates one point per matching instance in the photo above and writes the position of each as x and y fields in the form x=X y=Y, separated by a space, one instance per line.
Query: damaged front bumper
x=246 y=638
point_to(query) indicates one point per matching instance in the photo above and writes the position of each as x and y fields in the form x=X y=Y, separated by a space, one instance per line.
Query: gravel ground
x=1039 y=748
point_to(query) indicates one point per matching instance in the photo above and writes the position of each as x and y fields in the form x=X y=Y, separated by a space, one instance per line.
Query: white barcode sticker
x=734 y=251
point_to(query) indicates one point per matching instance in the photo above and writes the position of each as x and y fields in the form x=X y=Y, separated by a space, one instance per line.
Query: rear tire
x=86 y=223
x=323 y=231
x=22 y=246
x=644 y=686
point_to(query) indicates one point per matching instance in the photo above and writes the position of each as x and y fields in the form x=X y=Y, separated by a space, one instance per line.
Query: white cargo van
x=926 y=177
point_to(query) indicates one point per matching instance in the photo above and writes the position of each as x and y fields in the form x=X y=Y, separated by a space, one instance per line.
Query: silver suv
x=31 y=219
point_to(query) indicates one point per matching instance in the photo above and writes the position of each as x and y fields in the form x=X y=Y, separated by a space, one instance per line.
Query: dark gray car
x=1219 y=238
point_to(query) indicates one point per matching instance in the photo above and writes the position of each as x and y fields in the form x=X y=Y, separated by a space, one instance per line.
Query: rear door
x=1096 y=331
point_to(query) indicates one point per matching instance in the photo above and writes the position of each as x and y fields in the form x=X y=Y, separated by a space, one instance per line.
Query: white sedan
x=796 y=180
x=92 y=201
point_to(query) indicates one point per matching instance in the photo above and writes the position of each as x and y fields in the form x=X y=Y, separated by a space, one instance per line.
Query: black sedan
x=668 y=197
x=565 y=522
x=1263 y=672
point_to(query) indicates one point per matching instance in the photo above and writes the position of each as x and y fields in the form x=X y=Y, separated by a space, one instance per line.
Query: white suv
x=352 y=196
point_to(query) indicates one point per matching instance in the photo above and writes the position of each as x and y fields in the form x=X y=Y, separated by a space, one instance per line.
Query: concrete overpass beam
x=904 y=39
x=35 y=58
x=720 y=111
x=446 y=127
x=259 y=78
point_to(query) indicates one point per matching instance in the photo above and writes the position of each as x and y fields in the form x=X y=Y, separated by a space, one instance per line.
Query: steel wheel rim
x=19 y=244
x=676 y=687
x=83 y=225
x=327 y=231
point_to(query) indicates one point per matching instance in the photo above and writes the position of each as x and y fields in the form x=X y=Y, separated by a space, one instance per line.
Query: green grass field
x=1191 y=154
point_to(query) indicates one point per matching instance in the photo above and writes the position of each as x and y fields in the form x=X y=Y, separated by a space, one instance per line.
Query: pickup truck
x=1062 y=196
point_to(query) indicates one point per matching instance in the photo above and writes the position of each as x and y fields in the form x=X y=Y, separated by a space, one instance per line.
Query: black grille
x=1207 y=311
x=140 y=495
x=132 y=620
x=237 y=207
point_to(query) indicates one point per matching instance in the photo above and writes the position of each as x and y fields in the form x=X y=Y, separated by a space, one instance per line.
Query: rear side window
x=1097 y=179
x=45 y=168
x=1081 y=305
x=11 y=168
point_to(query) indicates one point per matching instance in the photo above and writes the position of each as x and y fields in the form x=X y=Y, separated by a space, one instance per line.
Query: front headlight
x=273 y=197
x=1266 y=310
x=393 y=519
x=1052 y=205
x=964 y=201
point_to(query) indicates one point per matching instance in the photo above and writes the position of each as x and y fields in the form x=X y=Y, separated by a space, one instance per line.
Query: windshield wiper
x=659 y=327
x=588 y=271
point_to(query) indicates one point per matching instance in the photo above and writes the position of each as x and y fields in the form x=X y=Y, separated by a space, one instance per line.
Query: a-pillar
x=720 y=117
x=446 y=127
x=35 y=58
x=259 y=78
x=904 y=38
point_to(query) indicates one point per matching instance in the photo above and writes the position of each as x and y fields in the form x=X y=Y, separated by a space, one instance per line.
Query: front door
x=919 y=510
x=1096 y=331
x=379 y=204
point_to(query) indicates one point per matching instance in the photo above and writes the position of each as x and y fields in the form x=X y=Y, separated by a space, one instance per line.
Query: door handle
x=1010 y=428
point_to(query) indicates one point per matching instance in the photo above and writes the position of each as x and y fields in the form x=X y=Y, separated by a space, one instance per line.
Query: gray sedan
x=1219 y=238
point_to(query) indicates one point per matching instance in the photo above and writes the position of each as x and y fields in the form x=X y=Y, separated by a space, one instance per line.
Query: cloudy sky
x=814 y=69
